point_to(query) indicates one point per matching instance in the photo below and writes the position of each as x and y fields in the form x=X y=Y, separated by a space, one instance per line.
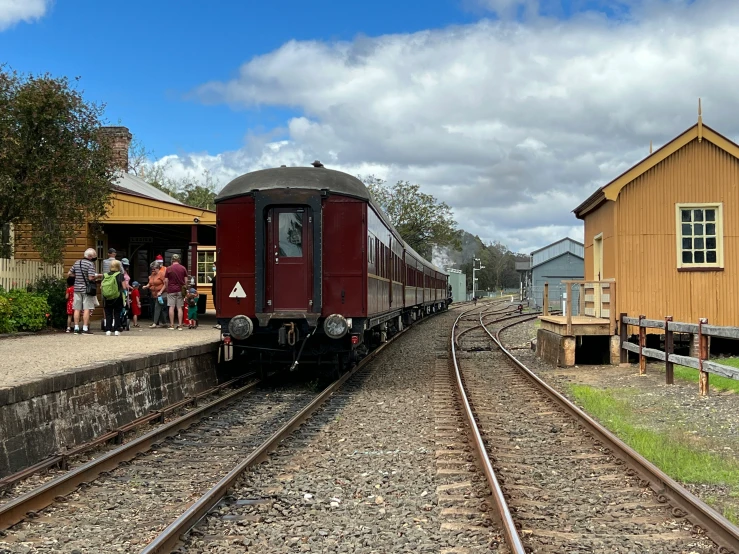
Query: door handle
x=277 y=261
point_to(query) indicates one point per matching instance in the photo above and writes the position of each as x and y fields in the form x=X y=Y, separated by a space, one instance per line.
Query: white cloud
x=13 y=11
x=512 y=123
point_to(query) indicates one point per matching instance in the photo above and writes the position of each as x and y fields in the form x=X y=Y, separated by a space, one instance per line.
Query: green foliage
x=714 y=381
x=679 y=457
x=27 y=311
x=199 y=192
x=55 y=291
x=55 y=170
x=499 y=268
x=5 y=312
x=421 y=219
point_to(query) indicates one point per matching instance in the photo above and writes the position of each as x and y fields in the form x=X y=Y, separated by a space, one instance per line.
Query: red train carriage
x=309 y=265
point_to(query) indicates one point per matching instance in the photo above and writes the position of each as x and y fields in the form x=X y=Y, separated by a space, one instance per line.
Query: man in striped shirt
x=83 y=272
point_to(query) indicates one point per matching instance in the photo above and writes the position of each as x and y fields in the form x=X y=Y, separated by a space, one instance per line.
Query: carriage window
x=291 y=235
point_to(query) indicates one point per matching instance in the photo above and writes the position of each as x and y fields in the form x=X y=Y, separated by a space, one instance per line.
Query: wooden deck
x=581 y=325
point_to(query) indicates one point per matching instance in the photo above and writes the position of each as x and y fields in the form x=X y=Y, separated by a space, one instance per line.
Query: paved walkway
x=31 y=358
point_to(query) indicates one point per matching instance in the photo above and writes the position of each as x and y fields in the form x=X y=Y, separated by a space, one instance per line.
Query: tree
x=199 y=192
x=55 y=167
x=420 y=218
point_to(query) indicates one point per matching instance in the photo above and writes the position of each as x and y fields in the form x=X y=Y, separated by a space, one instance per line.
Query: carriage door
x=289 y=258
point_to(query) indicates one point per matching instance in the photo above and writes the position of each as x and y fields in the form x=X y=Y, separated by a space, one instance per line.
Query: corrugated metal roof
x=557 y=249
x=138 y=186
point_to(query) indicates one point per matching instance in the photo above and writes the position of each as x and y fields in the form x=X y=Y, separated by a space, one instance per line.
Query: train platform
x=30 y=358
x=58 y=390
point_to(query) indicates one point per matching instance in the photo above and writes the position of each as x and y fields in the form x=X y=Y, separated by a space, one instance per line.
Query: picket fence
x=21 y=273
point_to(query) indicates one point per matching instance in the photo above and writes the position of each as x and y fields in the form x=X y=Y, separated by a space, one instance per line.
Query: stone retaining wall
x=39 y=419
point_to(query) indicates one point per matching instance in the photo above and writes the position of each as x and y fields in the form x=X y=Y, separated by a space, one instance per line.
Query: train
x=310 y=268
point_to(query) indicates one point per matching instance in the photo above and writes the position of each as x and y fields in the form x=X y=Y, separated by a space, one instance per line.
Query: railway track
x=166 y=479
x=560 y=481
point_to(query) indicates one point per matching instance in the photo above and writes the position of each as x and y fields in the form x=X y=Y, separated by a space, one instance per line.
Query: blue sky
x=511 y=111
x=143 y=58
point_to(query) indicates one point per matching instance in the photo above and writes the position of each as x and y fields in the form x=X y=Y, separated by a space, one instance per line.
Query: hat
x=124 y=261
x=192 y=291
x=159 y=258
x=112 y=250
x=135 y=284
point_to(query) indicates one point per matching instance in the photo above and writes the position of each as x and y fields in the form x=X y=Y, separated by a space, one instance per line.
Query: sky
x=511 y=111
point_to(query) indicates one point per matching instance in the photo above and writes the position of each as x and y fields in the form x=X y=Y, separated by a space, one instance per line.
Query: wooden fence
x=21 y=273
x=701 y=363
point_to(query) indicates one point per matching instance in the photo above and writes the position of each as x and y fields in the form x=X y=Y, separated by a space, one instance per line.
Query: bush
x=55 y=290
x=27 y=310
x=5 y=313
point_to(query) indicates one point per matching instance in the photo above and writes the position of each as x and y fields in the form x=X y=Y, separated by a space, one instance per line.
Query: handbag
x=91 y=287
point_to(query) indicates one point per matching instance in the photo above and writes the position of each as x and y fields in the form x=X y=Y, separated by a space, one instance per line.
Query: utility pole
x=474 y=269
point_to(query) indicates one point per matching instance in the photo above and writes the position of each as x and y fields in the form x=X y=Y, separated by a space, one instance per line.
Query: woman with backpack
x=113 y=296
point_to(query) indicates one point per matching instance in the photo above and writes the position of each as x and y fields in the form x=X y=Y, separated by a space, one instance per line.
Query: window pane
x=686 y=216
x=710 y=228
x=710 y=215
x=698 y=244
x=711 y=256
x=291 y=235
x=687 y=244
x=698 y=229
x=711 y=242
x=687 y=257
x=699 y=258
x=686 y=229
x=697 y=215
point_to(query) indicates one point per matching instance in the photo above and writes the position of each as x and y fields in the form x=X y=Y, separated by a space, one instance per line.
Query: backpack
x=110 y=286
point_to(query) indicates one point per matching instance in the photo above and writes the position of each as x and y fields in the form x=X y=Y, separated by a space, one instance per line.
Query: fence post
x=545 y=306
x=569 y=309
x=702 y=355
x=642 y=344
x=669 y=350
x=624 y=331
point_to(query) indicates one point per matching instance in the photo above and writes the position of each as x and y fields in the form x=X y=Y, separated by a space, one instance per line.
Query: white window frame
x=719 y=207
x=204 y=249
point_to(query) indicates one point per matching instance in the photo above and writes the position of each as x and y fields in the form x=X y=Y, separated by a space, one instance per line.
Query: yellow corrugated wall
x=647 y=277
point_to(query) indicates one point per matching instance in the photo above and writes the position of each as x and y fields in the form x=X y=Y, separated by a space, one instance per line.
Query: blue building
x=560 y=261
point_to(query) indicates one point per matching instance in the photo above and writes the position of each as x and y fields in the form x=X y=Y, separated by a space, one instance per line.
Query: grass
x=714 y=381
x=682 y=460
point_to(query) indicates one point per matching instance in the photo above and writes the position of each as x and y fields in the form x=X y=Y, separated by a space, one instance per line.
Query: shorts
x=175 y=299
x=192 y=313
x=83 y=301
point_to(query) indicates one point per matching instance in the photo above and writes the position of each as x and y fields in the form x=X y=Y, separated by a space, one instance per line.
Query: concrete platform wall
x=40 y=418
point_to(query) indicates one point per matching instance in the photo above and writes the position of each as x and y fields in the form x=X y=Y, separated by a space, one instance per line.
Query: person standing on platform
x=85 y=288
x=156 y=287
x=113 y=297
x=70 y=303
x=110 y=259
x=213 y=293
x=174 y=279
x=191 y=301
x=135 y=302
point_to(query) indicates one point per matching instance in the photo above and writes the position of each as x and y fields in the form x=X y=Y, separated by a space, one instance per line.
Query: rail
x=702 y=329
x=720 y=529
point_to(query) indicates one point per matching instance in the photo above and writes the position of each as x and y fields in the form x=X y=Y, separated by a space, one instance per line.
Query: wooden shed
x=143 y=222
x=667 y=231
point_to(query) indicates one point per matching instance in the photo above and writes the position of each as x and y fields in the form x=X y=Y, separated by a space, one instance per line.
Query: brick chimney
x=119 y=139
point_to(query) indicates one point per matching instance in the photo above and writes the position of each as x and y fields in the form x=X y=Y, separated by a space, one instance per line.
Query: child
x=135 y=303
x=191 y=301
x=70 y=303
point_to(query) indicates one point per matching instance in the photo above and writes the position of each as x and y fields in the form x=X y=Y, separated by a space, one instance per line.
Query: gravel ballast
x=710 y=422
x=363 y=475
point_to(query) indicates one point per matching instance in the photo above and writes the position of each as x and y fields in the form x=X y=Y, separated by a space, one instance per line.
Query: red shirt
x=70 y=300
x=135 y=306
x=177 y=275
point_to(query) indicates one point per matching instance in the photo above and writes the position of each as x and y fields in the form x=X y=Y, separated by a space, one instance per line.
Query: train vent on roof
x=317 y=164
